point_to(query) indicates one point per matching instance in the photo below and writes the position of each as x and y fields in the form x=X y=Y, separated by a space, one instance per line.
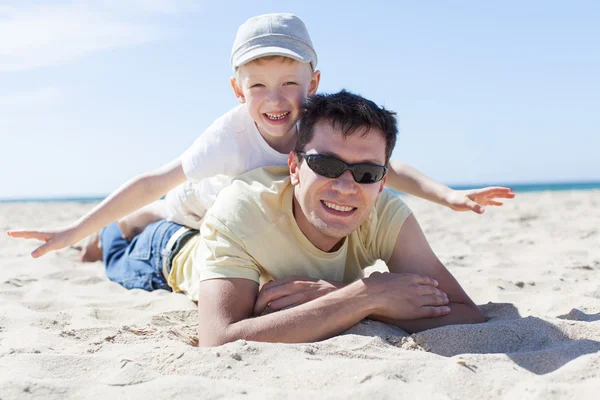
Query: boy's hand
x=55 y=239
x=291 y=291
x=475 y=199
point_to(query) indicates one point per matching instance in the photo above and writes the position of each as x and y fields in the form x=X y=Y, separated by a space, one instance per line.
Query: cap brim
x=253 y=54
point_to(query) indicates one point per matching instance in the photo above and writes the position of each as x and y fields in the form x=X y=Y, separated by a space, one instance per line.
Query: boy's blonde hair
x=261 y=60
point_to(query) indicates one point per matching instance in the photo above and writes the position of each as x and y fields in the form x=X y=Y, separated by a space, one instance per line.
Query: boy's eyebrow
x=335 y=155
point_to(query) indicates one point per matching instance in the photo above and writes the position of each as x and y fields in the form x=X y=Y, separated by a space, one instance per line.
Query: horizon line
x=525 y=186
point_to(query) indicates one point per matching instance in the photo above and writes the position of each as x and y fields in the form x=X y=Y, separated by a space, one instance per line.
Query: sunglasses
x=331 y=167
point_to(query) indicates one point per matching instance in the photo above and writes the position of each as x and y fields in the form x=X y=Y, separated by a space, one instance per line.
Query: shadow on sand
x=533 y=343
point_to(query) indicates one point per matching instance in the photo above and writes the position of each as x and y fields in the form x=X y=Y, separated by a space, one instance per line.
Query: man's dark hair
x=349 y=113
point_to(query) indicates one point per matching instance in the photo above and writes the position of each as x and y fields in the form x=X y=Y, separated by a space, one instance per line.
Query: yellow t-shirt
x=250 y=232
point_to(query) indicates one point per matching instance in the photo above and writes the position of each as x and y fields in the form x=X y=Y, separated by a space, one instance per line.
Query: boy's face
x=275 y=89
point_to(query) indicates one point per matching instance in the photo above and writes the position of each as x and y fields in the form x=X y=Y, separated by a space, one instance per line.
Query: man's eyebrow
x=335 y=155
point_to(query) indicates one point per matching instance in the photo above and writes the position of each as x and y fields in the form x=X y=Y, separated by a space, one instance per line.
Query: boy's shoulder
x=237 y=120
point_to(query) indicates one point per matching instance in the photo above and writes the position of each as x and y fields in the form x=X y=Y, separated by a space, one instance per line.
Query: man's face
x=327 y=210
x=275 y=89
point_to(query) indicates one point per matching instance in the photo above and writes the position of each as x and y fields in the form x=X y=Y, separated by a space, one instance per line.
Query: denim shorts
x=137 y=264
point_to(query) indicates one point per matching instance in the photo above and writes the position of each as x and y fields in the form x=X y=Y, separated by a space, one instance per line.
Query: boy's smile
x=275 y=88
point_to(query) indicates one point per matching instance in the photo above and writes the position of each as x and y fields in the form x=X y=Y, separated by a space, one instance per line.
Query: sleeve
x=216 y=151
x=390 y=214
x=182 y=206
x=224 y=254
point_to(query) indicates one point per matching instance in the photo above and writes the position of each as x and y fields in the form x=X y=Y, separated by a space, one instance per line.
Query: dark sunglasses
x=331 y=167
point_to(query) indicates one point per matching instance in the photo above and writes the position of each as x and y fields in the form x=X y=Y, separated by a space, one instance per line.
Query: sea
x=516 y=187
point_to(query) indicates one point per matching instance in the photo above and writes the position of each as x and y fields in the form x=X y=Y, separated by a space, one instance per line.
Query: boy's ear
x=314 y=83
x=237 y=90
x=294 y=164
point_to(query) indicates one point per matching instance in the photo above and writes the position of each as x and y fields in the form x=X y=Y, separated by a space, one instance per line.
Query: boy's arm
x=406 y=179
x=134 y=194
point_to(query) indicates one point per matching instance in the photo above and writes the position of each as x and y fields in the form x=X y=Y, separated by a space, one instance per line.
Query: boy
x=275 y=71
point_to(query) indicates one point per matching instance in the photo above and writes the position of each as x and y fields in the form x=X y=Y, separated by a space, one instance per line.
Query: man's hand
x=475 y=199
x=55 y=239
x=291 y=291
x=406 y=296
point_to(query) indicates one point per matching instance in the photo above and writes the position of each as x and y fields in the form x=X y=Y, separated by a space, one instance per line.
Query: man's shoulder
x=253 y=201
x=390 y=200
x=389 y=213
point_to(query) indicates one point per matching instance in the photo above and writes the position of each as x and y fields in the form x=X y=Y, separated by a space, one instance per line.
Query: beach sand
x=66 y=331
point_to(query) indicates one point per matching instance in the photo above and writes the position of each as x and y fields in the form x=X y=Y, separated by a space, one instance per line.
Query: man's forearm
x=407 y=179
x=459 y=314
x=312 y=321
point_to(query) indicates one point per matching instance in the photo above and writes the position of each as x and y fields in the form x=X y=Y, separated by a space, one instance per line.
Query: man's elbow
x=213 y=339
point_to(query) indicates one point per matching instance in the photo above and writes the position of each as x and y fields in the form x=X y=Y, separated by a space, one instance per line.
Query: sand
x=68 y=332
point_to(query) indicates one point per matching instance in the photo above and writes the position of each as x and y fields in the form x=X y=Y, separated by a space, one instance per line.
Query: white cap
x=273 y=35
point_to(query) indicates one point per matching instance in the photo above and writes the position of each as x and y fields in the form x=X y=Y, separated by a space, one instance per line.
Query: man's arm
x=412 y=254
x=225 y=308
x=406 y=179
x=134 y=194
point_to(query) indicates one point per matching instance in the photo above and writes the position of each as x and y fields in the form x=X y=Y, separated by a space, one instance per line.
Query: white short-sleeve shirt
x=231 y=146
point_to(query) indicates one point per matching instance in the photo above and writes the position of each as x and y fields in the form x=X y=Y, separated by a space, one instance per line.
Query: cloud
x=33 y=97
x=36 y=37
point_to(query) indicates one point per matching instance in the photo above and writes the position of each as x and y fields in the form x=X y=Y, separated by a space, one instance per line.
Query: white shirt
x=231 y=146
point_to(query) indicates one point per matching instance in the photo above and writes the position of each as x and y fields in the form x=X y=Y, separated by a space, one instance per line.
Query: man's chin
x=334 y=231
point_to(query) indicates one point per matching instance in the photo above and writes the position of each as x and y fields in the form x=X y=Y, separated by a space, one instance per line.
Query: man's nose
x=345 y=183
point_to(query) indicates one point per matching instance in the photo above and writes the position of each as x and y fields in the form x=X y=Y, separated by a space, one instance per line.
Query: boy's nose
x=275 y=97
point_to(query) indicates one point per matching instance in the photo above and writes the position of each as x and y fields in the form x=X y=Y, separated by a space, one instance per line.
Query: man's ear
x=314 y=83
x=381 y=186
x=294 y=164
x=237 y=90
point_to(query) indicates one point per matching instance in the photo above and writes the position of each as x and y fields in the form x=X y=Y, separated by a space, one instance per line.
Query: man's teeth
x=277 y=116
x=338 y=208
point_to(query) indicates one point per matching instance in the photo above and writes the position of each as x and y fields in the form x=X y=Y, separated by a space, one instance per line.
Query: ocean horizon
x=516 y=187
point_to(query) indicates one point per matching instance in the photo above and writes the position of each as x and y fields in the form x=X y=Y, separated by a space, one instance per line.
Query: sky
x=93 y=93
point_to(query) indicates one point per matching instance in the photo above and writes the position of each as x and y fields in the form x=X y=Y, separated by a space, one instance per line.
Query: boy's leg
x=137 y=264
x=134 y=223
x=90 y=250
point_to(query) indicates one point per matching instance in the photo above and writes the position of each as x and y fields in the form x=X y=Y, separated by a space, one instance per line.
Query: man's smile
x=338 y=209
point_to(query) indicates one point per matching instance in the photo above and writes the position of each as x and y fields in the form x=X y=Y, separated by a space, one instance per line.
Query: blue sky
x=94 y=92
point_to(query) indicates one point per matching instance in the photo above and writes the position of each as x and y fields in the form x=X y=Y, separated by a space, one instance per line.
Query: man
x=306 y=233
x=311 y=230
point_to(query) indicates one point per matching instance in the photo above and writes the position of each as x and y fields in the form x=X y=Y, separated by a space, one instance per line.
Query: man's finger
x=434 y=300
x=434 y=311
x=494 y=203
x=287 y=301
x=286 y=280
x=267 y=295
x=431 y=290
x=425 y=280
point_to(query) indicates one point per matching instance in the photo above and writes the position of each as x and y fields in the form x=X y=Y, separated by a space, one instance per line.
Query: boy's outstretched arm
x=406 y=179
x=134 y=194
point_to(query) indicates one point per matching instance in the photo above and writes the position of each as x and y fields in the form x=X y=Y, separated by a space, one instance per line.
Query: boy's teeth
x=338 y=208
x=277 y=116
